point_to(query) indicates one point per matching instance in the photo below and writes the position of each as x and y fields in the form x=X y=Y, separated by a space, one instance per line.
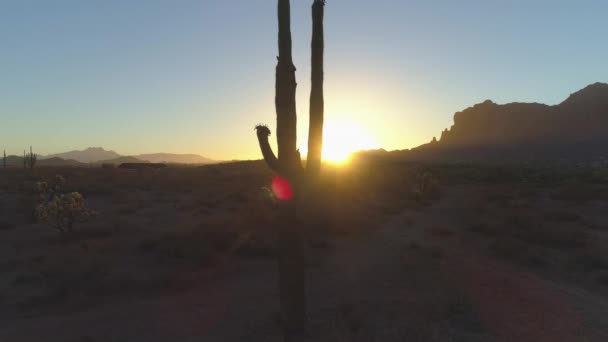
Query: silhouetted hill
x=175 y=158
x=575 y=129
x=90 y=155
x=58 y=162
x=14 y=161
x=99 y=155
x=122 y=160
x=17 y=161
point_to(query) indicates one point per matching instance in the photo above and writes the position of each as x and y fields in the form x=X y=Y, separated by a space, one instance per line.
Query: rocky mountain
x=580 y=118
x=577 y=128
x=99 y=155
x=90 y=155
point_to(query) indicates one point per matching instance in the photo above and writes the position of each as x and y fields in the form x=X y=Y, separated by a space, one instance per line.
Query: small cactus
x=31 y=159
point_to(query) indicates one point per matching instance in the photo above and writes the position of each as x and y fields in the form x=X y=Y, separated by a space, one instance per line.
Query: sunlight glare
x=340 y=139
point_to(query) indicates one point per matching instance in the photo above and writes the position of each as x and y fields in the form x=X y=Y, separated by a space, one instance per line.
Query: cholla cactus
x=61 y=210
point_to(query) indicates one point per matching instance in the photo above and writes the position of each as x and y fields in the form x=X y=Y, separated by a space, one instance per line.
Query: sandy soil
x=404 y=281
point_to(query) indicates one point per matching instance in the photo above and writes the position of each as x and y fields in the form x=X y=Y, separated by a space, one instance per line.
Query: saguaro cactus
x=4 y=159
x=31 y=159
x=288 y=165
x=24 y=160
x=317 y=103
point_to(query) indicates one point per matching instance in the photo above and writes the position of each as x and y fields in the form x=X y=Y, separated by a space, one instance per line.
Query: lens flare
x=282 y=188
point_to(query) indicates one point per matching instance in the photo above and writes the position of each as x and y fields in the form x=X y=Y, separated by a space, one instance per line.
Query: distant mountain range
x=98 y=155
x=576 y=129
x=90 y=155
x=17 y=161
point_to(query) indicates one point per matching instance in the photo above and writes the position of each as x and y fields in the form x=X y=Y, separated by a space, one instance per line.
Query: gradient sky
x=190 y=76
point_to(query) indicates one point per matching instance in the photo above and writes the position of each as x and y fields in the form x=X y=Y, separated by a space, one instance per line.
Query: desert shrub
x=484 y=228
x=196 y=247
x=591 y=259
x=425 y=187
x=6 y=226
x=499 y=195
x=257 y=246
x=128 y=209
x=602 y=278
x=580 y=192
x=553 y=236
x=8 y=266
x=61 y=210
x=528 y=227
x=562 y=216
x=515 y=250
x=507 y=247
x=25 y=205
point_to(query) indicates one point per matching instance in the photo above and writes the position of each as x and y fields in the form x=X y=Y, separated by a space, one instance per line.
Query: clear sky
x=195 y=76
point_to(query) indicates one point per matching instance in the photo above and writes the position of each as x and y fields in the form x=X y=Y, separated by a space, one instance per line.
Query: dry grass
x=155 y=224
x=159 y=229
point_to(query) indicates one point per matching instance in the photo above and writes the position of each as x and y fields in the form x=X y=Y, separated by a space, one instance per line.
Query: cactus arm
x=315 y=132
x=285 y=93
x=263 y=132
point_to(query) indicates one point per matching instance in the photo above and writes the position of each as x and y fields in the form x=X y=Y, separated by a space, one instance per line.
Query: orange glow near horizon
x=341 y=138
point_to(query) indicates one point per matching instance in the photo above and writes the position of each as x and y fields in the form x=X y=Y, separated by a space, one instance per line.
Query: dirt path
x=376 y=298
x=513 y=304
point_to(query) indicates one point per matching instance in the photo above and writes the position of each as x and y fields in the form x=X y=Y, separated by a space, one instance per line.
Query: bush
x=426 y=187
x=602 y=278
x=580 y=192
x=193 y=246
x=61 y=210
x=554 y=236
x=591 y=259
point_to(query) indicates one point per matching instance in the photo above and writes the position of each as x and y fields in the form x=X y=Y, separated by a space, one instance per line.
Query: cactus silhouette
x=317 y=103
x=30 y=159
x=4 y=159
x=288 y=164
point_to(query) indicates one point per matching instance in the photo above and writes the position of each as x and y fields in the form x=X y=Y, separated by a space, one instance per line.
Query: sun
x=342 y=138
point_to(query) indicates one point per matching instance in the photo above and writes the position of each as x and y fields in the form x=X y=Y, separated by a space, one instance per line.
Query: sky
x=195 y=76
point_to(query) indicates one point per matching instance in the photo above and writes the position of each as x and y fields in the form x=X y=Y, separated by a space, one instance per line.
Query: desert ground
x=398 y=252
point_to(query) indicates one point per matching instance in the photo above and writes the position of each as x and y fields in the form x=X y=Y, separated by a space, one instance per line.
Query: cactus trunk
x=30 y=159
x=317 y=103
x=291 y=264
x=291 y=261
x=285 y=96
x=291 y=274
